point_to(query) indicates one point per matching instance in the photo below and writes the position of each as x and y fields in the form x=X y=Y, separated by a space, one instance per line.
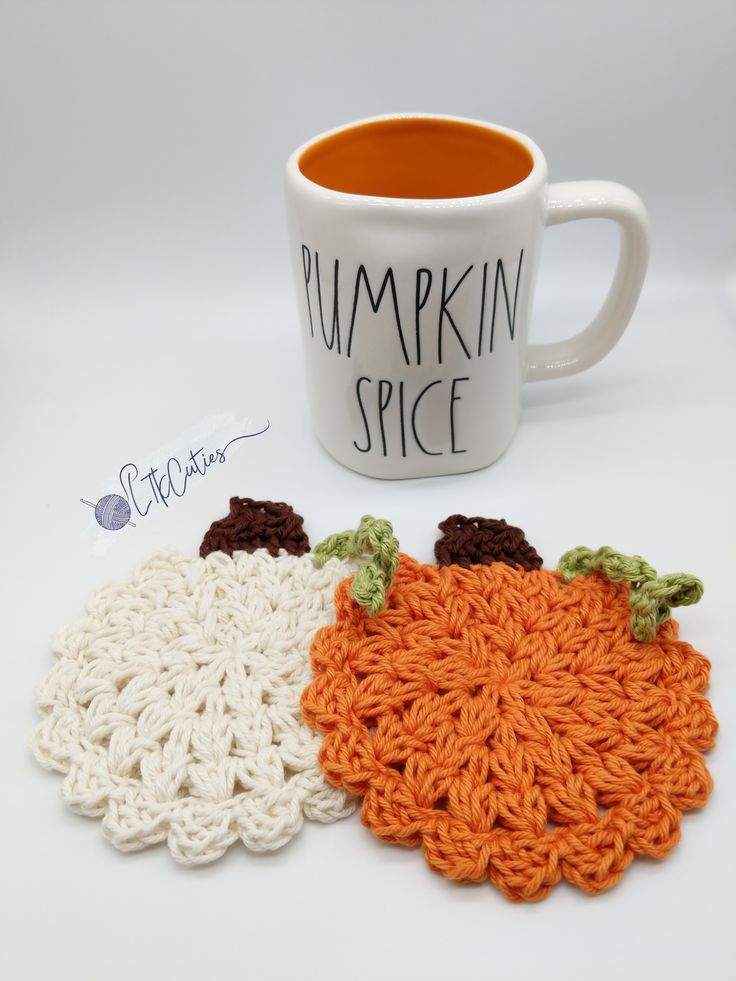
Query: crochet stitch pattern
x=509 y=722
x=376 y=536
x=251 y=525
x=651 y=597
x=173 y=705
x=479 y=541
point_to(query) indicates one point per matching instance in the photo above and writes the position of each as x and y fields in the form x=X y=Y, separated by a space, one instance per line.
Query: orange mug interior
x=417 y=157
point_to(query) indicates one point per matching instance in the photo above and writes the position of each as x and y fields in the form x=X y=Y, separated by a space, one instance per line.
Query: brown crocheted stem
x=482 y=541
x=251 y=524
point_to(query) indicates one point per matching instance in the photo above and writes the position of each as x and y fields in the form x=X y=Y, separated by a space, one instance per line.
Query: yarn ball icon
x=112 y=512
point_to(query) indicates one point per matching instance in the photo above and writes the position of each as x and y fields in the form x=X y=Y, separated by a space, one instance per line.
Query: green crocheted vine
x=373 y=535
x=651 y=598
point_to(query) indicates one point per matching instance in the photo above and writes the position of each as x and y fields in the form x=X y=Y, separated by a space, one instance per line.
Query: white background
x=144 y=288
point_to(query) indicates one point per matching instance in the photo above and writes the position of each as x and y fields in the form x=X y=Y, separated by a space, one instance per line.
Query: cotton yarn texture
x=511 y=724
x=480 y=541
x=251 y=525
x=173 y=705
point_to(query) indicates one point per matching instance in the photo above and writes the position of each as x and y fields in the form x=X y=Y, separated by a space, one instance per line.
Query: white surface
x=144 y=288
x=636 y=453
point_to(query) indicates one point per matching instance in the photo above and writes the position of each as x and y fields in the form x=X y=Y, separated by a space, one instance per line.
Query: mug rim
x=536 y=176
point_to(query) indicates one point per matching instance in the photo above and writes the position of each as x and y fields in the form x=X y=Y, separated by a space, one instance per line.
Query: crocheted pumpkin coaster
x=173 y=705
x=522 y=725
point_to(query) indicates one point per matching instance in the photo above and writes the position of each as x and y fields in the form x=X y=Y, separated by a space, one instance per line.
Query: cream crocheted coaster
x=173 y=705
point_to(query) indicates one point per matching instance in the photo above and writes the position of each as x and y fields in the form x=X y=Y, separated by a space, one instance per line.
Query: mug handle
x=596 y=199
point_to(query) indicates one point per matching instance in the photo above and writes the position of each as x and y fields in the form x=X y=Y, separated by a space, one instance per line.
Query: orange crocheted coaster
x=510 y=723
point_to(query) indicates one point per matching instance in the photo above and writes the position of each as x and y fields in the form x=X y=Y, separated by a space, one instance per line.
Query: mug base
x=413 y=470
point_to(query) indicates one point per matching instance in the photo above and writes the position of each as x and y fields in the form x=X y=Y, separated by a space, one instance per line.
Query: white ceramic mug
x=415 y=275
